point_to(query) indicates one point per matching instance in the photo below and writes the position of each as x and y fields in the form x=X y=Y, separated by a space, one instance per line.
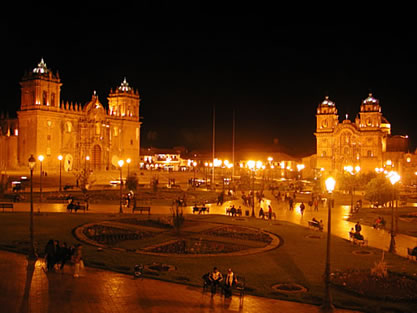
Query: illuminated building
x=367 y=142
x=46 y=126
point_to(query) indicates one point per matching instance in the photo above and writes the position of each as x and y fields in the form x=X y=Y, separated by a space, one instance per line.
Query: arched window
x=44 y=98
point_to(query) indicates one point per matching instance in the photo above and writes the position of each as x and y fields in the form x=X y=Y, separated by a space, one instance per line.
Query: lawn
x=299 y=259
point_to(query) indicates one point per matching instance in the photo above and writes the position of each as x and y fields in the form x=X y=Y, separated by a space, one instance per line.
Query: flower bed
x=112 y=235
x=395 y=286
x=194 y=246
x=242 y=233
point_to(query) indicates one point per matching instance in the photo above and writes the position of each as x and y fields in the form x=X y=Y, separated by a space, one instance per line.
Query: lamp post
x=194 y=165
x=121 y=162
x=327 y=305
x=32 y=252
x=60 y=172
x=251 y=164
x=40 y=158
x=128 y=160
x=394 y=178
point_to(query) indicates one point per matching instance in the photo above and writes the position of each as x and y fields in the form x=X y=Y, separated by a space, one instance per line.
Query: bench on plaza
x=315 y=225
x=77 y=206
x=356 y=241
x=141 y=209
x=6 y=205
x=202 y=209
x=410 y=254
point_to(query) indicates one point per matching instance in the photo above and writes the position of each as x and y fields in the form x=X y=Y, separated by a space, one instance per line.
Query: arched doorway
x=96 y=161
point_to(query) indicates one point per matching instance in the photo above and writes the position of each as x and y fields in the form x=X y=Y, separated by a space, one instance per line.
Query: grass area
x=407 y=218
x=298 y=260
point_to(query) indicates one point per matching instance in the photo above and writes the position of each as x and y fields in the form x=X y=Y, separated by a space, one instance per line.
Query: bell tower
x=370 y=116
x=40 y=88
x=326 y=116
x=327 y=120
x=124 y=102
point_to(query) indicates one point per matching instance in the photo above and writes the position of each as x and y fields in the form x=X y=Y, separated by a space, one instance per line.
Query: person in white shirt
x=215 y=278
x=230 y=281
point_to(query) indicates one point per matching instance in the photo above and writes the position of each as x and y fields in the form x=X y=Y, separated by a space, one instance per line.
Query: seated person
x=351 y=233
x=358 y=236
x=261 y=213
x=239 y=212
x=377 y=222
x=414 y=251
x=321 y=225
x=215 y=278
x=315 y=221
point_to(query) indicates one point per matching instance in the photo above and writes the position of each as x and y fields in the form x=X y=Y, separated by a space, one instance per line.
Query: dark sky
x=273 y=75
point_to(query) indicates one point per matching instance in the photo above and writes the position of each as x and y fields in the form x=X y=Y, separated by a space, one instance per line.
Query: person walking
x=50 y=255
x=77 y=260
x=302 y=208
x=269 y=212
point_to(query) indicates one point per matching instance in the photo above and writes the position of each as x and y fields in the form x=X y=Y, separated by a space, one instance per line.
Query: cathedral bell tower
x=124 y=102
x=327 y=121
x=40 y=88
x=326 y=116
x=370 y=116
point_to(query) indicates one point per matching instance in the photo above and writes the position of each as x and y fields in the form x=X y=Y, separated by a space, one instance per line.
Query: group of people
x=379 y=222
x=270 y=213
x=58 y=254
x=317 y=223
x=215 y=279
x=233 y=211
x=356 y=233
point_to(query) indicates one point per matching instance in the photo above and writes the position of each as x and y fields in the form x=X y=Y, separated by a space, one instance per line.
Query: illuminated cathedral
x=69 y=134
x=365 y=144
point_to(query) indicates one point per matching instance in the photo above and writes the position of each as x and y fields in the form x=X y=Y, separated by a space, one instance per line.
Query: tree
x=379 y=190
x=132 y=182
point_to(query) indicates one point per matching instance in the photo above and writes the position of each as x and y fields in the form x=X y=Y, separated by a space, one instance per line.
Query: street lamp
x=194 y=165
x=327 y=305
x=121 y=162
x=128 y=160
x=251 y=165
x=393 y=178
x=32 y=252
x=40 y=158
x=60 y=172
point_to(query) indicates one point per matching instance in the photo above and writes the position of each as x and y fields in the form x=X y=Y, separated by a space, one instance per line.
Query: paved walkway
x=25 y=287
x=340 y=226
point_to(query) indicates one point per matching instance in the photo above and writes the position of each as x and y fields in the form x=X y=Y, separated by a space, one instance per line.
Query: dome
x=41 y=69
x=124 y=86
x=327 y=102
x=94 y=108
x=370 y=100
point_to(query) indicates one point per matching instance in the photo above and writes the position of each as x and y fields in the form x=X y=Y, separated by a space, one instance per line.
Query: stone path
x=25 y=287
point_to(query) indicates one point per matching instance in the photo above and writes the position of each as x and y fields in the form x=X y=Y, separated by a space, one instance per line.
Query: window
x=68 y=127
x=369 y=154
x=44 y=98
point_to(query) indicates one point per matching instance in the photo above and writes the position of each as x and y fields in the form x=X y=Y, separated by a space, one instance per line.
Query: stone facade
x=86 y=136
x=366 y=143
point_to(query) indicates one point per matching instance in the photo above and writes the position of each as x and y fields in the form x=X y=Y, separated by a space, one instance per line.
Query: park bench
x=141 y=209
x=410 y=255
x=355 y=241
x=6 y=205
x=78 y=206
x=314 y=225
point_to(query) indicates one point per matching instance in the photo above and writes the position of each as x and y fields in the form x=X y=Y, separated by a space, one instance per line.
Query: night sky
x=272 y=75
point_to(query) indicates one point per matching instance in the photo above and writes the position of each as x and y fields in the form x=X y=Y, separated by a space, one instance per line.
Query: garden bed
x=395 y=287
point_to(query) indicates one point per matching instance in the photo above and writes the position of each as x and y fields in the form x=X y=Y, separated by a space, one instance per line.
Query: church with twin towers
x=80 y=135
